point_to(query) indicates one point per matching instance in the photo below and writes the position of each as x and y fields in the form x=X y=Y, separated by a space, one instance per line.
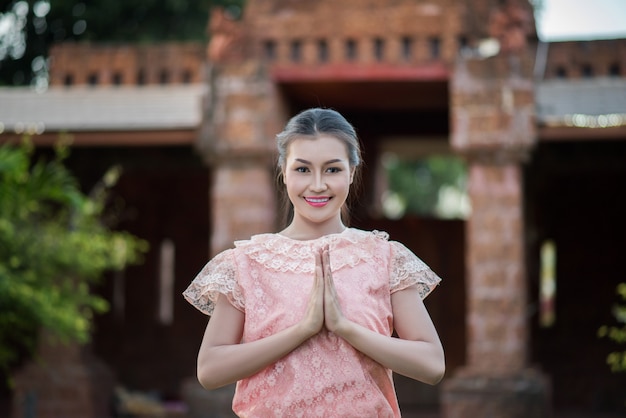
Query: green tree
x=53 y=247
x=420 y=184
x=617 y=359
x=29 y=27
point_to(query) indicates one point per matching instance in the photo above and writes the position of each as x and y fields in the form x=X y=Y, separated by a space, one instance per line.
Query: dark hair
x=311 y=124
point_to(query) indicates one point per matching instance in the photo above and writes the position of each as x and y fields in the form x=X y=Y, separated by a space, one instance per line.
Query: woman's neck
x=301 y=230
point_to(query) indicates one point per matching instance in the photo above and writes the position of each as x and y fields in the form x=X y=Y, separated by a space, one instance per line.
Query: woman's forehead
x=320 y=147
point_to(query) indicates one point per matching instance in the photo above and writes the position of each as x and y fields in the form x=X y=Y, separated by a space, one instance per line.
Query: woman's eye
x=334 y=169
x=302 y=169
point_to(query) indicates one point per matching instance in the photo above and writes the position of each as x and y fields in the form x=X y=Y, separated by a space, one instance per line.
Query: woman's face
x=317 y=176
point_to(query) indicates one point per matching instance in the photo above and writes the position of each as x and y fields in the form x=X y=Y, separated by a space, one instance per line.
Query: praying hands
x=323 y=308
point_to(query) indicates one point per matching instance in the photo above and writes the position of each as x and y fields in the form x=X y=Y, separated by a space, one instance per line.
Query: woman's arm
x=223 y=359
x=417 y=353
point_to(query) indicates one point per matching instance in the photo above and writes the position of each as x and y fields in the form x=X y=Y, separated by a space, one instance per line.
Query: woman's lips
x=317 y=201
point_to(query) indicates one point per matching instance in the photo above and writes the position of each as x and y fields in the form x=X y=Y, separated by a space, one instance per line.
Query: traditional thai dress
x=269 y=278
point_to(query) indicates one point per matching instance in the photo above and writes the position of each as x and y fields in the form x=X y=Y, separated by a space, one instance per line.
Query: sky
x=561 y=20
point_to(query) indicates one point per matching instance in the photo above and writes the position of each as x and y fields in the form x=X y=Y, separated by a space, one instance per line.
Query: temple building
x=530 y=264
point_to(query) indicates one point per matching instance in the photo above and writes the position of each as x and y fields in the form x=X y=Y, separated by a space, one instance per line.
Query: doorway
x=575 y=199
x=417 y=113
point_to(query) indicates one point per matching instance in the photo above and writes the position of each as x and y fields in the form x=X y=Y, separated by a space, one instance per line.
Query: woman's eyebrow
x=335 y=160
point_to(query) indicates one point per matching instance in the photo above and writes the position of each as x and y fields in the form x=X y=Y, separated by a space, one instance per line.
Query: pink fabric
x=269 y=278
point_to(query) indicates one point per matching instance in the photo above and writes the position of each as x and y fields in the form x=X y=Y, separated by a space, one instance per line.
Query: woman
x=303 y=319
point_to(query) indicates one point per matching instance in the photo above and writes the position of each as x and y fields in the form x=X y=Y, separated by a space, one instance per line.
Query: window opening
x=164 y=77
x=379 y=49
x=587 y=71
x=435 y=47
x=296 y=50
x=117 y=79
x=322 y=50
x=141 y=78
x=463 y=43
x=350 y=49
x=431 y=186
x=92 y=79
x=407 y=48
x=269 y=49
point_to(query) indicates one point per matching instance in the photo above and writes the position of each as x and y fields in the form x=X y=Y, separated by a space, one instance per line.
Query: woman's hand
x=323 y=308
x=313 y=320
x=333 y=315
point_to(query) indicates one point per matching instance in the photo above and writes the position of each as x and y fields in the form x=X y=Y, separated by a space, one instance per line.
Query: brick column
x=497 y=331
x=64 y=380
x=243 y=117
x=492 y=121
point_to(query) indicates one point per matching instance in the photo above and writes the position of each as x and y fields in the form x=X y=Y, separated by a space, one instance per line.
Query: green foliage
x=421 y=185
x=53 y=246
x=128 y=21
x=617 y=359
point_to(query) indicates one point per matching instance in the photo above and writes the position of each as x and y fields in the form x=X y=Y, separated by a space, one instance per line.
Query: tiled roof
x=583 y=103
x=122 y=108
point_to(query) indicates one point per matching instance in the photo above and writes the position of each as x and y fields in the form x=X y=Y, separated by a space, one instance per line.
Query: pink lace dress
x=269 y=278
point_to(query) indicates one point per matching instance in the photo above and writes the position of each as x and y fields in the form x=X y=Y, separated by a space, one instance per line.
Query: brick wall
x=65 y=380
x=396 y=32
x=599 y=58
x=125 y=64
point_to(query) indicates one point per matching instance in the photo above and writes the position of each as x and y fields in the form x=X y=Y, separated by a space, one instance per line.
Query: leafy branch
x=617 y=359
x=53 y=247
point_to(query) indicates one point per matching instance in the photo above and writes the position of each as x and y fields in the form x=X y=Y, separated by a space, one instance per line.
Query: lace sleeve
x=406 y=269
x=217 y=277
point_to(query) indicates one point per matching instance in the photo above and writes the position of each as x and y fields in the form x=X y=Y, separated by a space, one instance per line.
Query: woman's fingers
x=317 y=292
x=332 y=309
x=313 y=320
x=326 y=262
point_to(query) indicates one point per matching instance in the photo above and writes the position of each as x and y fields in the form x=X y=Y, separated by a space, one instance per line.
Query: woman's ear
x=352 y=170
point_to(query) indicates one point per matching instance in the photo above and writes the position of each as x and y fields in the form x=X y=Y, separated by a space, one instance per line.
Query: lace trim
x=406 y=269
x=218 y=277
x=282 y=254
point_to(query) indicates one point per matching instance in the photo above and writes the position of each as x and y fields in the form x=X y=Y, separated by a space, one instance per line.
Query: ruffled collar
x=280 y=253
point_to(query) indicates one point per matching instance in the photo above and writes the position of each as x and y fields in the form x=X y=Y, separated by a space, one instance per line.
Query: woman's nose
x=318 y=184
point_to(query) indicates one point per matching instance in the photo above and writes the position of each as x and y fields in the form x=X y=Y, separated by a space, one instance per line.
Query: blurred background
x=137 y=141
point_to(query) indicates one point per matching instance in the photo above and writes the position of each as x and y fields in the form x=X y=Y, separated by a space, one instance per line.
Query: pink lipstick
x=317 y=201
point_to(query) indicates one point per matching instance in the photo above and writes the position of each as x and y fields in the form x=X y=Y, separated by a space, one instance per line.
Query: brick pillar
x=493 y=127
x=497 y=293
x=238 y=142
x=64 y=380
x=242 y=201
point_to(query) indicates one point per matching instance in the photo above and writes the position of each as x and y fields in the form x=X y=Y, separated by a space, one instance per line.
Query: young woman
x=303 y=319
